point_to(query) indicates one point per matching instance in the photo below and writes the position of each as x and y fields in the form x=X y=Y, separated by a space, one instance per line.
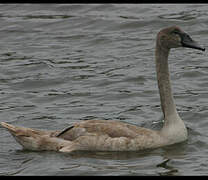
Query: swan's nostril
x=188 y=42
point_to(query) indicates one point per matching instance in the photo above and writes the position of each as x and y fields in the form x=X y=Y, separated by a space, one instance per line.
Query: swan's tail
x=10 y=127
x=37 y=140
x=23 y=131
x=27 y=137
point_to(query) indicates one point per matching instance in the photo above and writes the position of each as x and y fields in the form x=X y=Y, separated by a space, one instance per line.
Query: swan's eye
x=175 y=32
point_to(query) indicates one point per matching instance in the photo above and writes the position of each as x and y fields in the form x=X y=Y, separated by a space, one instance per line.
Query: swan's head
x=173 y=37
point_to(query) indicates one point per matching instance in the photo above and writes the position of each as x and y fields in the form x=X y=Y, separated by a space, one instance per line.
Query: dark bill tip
x=193 y=45
x=186 y=41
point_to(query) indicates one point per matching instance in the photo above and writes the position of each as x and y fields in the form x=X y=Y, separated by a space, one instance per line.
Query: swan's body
x=108 y=135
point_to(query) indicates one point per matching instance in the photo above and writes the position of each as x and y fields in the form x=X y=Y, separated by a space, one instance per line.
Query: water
x=63 y=63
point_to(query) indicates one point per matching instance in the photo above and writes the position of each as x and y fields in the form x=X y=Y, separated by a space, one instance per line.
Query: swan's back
x=107 y=135
x=90 y=135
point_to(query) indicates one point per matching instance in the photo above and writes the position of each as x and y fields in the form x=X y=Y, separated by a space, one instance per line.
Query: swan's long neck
x=163 y=78
x=174 y=129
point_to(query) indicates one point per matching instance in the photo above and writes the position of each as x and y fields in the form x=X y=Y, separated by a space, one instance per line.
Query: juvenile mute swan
x=109 y=135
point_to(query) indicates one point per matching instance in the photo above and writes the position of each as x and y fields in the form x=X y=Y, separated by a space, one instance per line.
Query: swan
x=112 y=135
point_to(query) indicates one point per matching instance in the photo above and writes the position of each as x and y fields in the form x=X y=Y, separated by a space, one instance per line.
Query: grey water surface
x=63 y=63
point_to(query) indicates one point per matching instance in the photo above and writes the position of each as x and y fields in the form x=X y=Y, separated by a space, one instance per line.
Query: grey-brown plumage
x=109 y=135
